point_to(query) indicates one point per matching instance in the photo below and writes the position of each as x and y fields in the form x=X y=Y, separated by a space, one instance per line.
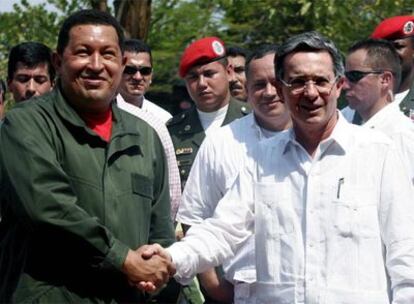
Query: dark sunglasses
x=131 y=70
x=355 y=76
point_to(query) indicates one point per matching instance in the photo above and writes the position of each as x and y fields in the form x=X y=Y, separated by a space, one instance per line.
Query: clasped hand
x=149 y=267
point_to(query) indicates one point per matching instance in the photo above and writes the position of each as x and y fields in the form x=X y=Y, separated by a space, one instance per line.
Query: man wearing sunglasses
x=137 y=78
x=373 y=73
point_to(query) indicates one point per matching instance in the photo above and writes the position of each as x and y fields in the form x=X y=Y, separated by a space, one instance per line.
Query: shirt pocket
x=142 y=186
x=273 y=211
x=356 y=215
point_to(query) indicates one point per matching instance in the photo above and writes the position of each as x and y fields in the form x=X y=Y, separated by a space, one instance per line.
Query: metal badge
x=181 y=151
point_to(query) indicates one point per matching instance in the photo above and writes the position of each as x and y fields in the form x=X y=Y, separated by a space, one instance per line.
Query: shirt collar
x=382 y=116
x=340 y=136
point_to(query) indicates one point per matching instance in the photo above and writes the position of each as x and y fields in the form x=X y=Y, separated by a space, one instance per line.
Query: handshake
x=148 y=268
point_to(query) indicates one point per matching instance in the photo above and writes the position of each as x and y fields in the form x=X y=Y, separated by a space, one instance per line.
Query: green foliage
x=33 y=23
x=248 y=23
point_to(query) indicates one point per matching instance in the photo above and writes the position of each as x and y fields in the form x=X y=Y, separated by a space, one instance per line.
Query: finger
x=149 y=250
x=146 y=286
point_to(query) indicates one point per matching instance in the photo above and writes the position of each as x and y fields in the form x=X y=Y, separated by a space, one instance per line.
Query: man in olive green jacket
x=83 y=184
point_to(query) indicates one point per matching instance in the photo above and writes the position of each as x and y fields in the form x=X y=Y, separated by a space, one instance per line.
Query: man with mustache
x=237 y=59
x=30 y=71
x=137 y=78
x=83 y=183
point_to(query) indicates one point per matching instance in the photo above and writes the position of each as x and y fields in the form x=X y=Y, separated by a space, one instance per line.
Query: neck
x=310 y=138
x=407 y=81
x=378 y=106
x=277 y=125
x=134 y=100
x=217 y=107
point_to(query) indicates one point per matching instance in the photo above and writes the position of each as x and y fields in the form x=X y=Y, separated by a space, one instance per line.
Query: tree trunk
x=100 y=5
x=134 y=16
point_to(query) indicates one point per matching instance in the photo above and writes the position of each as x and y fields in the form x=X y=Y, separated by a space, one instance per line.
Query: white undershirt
x=212 y=120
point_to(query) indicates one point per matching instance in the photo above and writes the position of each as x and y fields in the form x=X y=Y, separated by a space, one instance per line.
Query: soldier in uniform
x=206 y=73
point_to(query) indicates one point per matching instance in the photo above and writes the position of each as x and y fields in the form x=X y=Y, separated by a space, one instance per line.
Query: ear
x=339 y=85
x=230 y=71
x=57 y=62
x=387 y=79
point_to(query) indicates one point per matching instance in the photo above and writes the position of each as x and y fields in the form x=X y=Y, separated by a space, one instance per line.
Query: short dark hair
x=233 y=51
x=137 y=46
x=381 y=55
x=260 y=52
x=308 y=42
x=90 y=16
x=30 y=54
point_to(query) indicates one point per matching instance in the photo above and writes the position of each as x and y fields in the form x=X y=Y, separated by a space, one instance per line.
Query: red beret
x=201 y=51
x=397 y=27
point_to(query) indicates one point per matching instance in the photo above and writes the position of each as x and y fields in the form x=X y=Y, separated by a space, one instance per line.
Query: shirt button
x=311 y=245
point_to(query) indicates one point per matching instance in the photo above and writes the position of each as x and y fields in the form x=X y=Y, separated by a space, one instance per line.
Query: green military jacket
x=72 y=204
x=407 y=104
x=187 y=134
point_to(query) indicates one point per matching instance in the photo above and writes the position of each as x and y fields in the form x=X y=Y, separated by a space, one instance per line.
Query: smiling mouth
x=309 y=108
x=92 y=81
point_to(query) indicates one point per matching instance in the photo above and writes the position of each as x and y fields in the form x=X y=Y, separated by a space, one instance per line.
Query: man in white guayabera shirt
x=373 y=73
x=218 y=161
x=330 y=203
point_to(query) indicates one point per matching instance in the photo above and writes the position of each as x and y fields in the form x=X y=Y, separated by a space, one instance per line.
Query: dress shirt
x=157 y=111
x=214 y=170
x=335 y=228
x=391 y=121
x=165 y=138
x=348 y=113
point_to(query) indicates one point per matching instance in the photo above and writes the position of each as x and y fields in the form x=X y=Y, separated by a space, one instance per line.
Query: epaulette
x=176 y=119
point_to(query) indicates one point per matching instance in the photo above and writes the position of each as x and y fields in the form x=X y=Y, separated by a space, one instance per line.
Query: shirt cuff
x=116 y=255
x=182 y=262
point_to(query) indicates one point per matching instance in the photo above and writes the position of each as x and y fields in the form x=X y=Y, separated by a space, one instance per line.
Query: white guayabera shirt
x=400 y=129
x=329 y=229
x=221 y=156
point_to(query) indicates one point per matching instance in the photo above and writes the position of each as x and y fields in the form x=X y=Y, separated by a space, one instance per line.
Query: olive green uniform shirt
x=187 y=134
x=73 y=204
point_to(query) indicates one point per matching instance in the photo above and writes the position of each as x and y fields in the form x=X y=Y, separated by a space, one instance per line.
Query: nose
x=310 y=90
x=202 y=82
x=31 y=88
x=347 y=84
x=270 y=90
x=137 y=76
x=95 y=62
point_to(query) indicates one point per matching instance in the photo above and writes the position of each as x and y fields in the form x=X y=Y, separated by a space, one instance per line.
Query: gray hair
x=308 y=42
